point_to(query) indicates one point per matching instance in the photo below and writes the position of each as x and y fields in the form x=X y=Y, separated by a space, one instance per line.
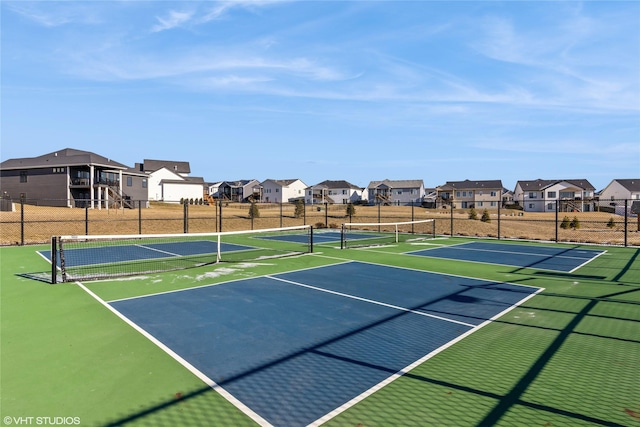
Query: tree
x=351 y=210
x=566 y=223
x=254 y=211
x=611 y=223
x=575 y=223
x=473 y=214
x=299 y=208
x=485 y=216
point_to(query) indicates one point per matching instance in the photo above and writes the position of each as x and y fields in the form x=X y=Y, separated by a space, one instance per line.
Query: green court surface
x=568 y=356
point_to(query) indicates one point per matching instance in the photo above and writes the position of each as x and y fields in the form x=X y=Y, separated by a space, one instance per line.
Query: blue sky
x=354 y=90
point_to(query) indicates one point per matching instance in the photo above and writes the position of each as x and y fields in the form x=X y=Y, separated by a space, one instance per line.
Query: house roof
x=187 y=180
x=632 y=185
x=239 y=183
x=541 y=184
x=471 y=184
x=410 y=183
x=172 y=165
x=282 y=182
x=64 y=157
x=335 y=184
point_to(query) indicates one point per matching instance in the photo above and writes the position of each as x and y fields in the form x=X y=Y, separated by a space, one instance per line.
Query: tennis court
x=313 y=340
x=563 y=259
x=332 y=337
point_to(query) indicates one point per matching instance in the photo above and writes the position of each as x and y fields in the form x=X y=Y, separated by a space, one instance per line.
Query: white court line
x=208 y=381
x=157 y=250
x=588 y=261
x=408 y=310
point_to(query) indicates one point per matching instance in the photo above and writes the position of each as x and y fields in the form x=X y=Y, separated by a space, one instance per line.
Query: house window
x=494 y=194
x=531 y=206
x=23 y=176
x=493 y=204
x=457 y=194
x=533 y=195
x=129 y=181
x=59 y=170
x=480 y=204
x=344 y=191
x=144 y=182
x=550 y=206
x=551 y=194
x=277 y=190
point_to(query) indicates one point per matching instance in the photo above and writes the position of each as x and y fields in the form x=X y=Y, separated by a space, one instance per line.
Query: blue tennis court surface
x=138 y=252
x=541 y=257
x=295 y=346
x=319 y=237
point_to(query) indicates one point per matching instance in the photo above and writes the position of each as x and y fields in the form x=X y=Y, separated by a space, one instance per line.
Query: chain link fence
x=26 y=221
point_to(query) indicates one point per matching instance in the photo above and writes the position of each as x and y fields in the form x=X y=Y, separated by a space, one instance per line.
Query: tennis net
x=359 y=234
x=78 y=258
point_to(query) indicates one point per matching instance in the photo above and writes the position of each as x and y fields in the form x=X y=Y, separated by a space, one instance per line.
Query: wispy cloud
x=56 y=14
x=207 y=12
x=172 y=20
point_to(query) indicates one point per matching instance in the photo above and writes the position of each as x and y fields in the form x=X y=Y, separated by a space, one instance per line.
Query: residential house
x=211 y=191
x=395 y=192
x=245 y=190
x=282 y=190
x=476 y=194
x=620 y=193
x=169 y=181
x=72 y=178
x=540 y=195
x=334 y=192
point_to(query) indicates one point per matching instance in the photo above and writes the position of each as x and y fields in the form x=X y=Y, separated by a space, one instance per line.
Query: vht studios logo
x=42 y=421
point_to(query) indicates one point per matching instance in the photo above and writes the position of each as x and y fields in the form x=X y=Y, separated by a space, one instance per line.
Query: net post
x=219 y=251
x=397 y=233
x=54 y=260
x=311 y=239
x=433 y=230
x=63 y=269
x=343 y=233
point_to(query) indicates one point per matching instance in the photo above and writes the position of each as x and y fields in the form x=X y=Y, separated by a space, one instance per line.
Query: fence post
x=451 y=214
x=22 y=220
x=220 y=216
x=139 y=216
x=326 y=214
x=412 y=218
x=557 y=225
x=379 y=220
x=281 y=214
x=86 y=220
x=626 y=219
x=499 y=206
x=186 y=216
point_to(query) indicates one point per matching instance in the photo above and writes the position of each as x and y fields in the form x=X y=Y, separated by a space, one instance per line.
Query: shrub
x=319 y=225
x=473 y=214
x=254 y=211
x=485 y=216
x=575 y=223
x=611 y=223
x=299 y=209
x=351 y=210
x=566 y=223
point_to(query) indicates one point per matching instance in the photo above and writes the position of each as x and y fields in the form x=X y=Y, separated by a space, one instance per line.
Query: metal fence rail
x=25 y=221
